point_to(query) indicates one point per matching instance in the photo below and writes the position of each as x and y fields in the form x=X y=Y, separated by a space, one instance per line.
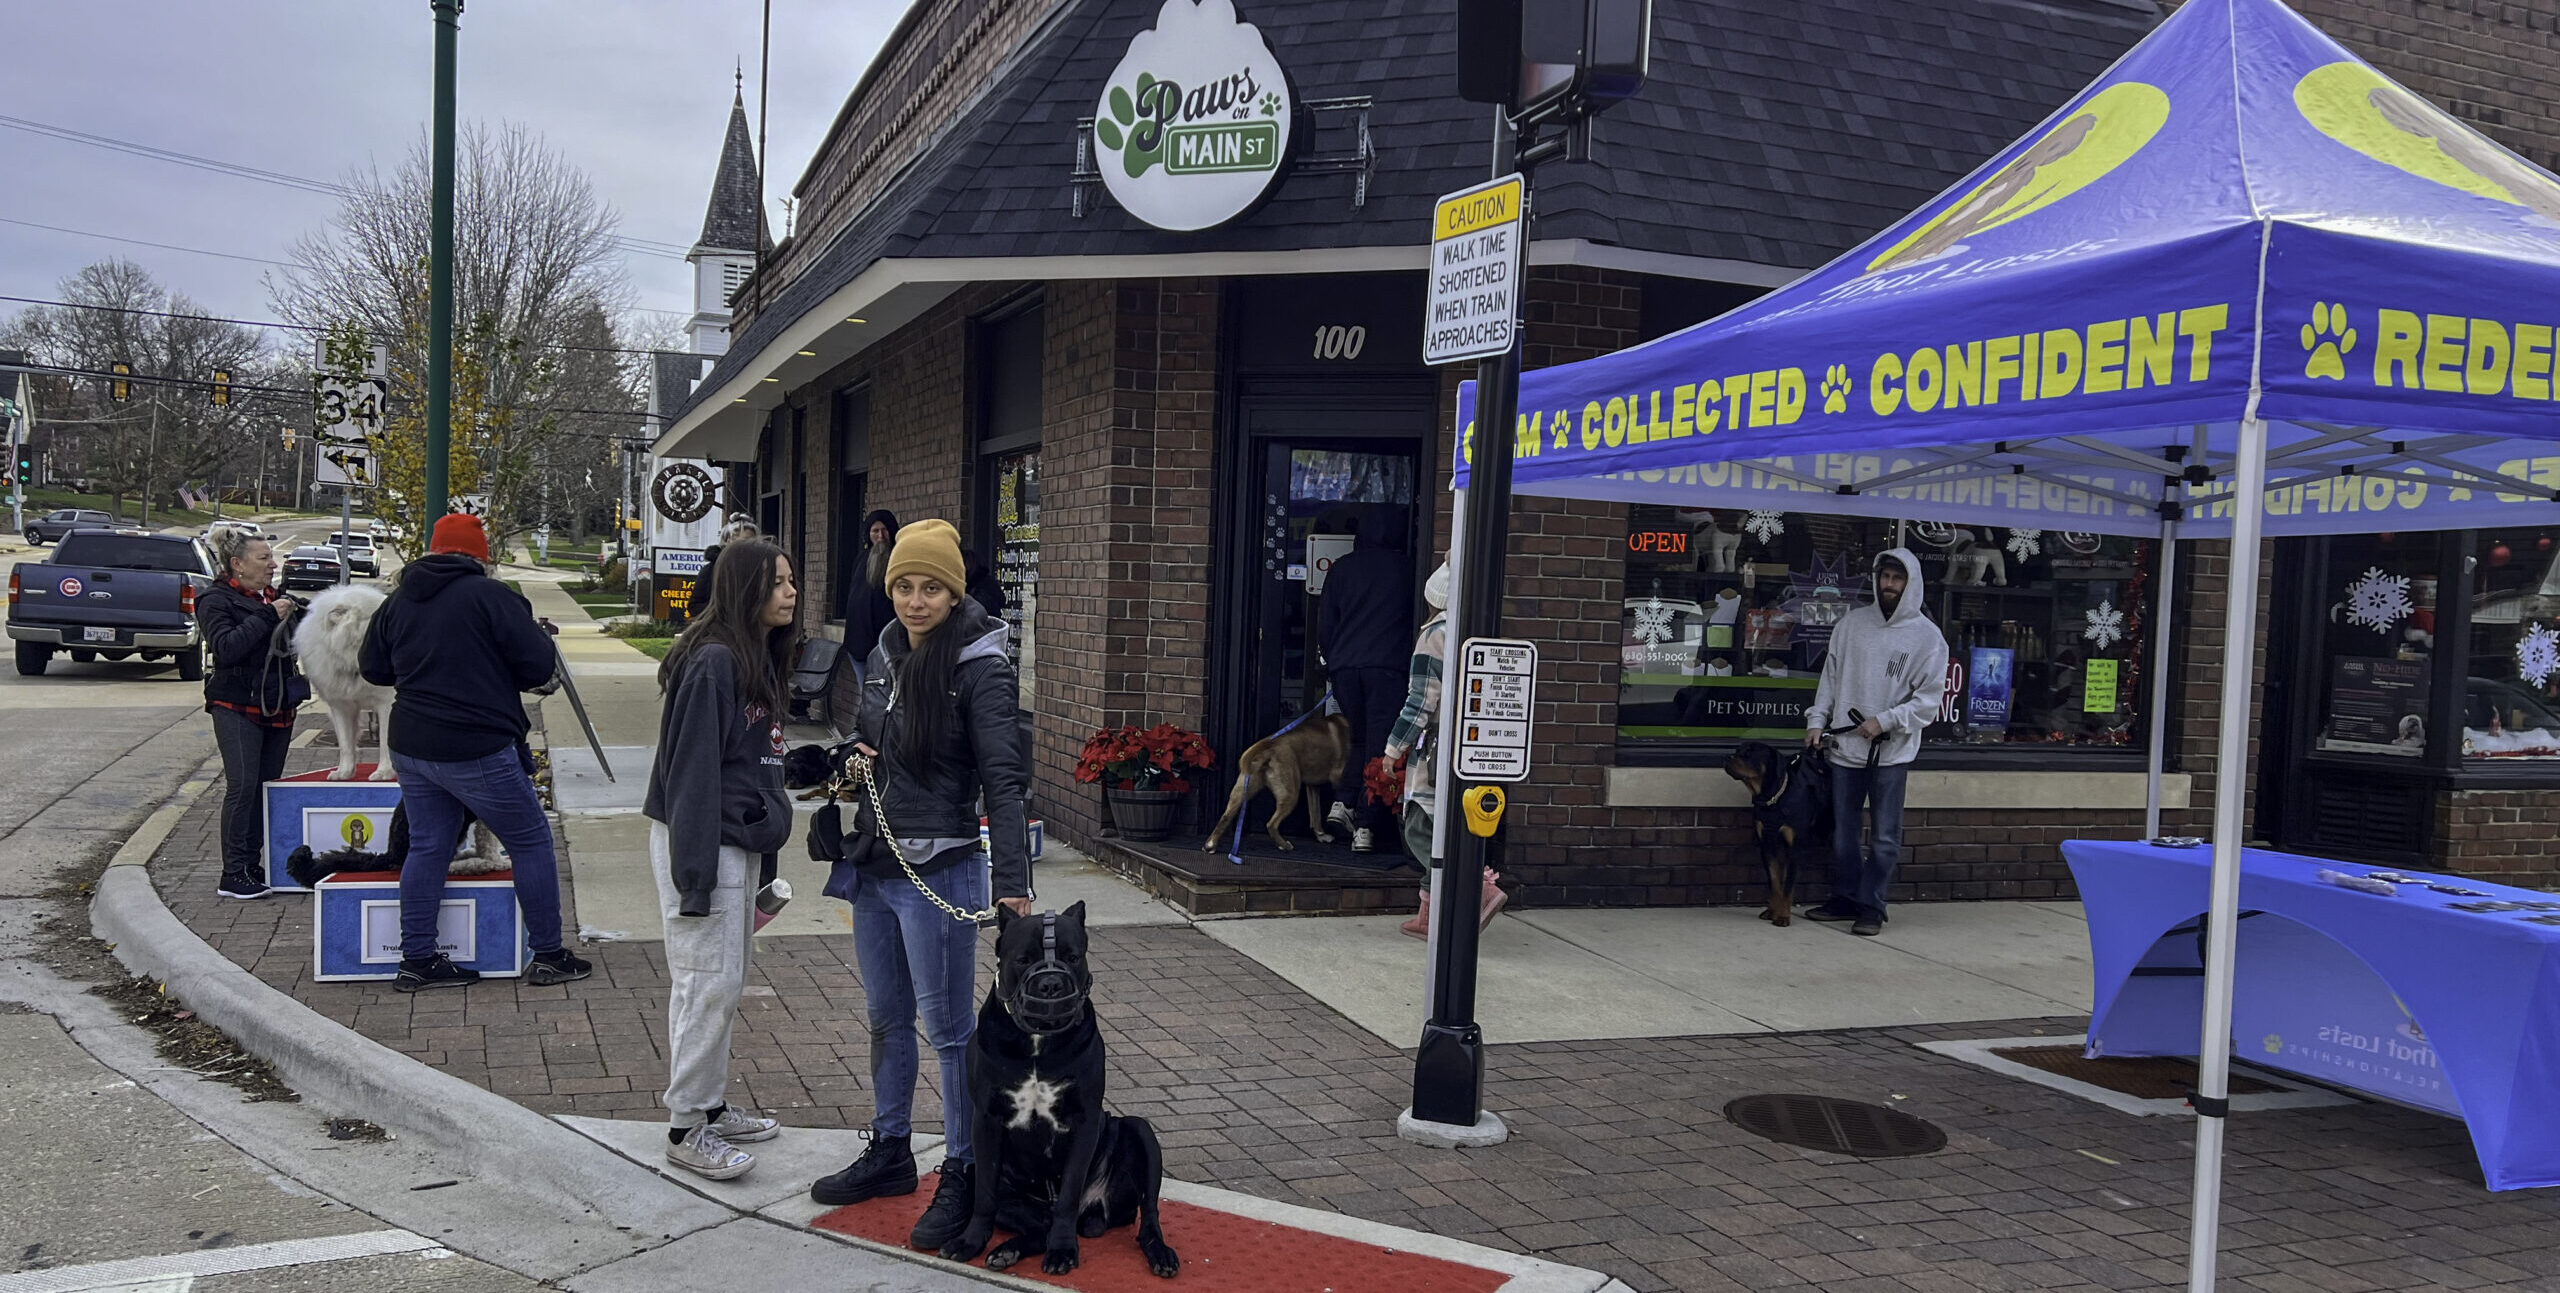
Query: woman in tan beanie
x=940 y=712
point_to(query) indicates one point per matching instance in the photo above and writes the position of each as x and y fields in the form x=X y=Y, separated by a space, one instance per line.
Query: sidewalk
x=1273 y=1057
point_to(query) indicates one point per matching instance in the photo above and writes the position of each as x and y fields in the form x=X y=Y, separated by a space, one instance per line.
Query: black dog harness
x=1047 y=997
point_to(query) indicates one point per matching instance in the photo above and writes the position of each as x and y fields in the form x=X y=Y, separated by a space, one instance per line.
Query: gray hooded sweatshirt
x=1891 y=670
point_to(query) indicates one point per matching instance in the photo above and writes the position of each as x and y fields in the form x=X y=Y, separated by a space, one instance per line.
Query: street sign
x=1497 y=688
x=1476 y=248
x=352 y=465
x=469 y=504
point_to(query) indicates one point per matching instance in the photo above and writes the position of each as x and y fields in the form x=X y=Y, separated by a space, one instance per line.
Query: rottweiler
x=1053 y=1164
x=1790 y=809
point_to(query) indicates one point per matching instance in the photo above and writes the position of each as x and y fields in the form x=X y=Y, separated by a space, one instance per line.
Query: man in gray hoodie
x=1883 y=680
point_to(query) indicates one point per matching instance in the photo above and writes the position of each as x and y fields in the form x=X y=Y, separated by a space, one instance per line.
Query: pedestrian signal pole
x=440 y=269
x=1547 y=66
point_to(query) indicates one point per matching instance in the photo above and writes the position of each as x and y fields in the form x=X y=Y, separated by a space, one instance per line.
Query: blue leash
x=1235 y=846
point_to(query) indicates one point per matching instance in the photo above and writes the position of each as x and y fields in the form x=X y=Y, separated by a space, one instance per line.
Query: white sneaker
x=1364 y=840
x=703 y=1153
x=1338 y=815
x=739 y=1127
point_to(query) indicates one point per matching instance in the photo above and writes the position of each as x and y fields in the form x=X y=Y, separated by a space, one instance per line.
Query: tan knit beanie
x=928 y=548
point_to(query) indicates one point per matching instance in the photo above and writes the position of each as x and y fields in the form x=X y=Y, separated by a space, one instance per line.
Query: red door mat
x=1221 y=1253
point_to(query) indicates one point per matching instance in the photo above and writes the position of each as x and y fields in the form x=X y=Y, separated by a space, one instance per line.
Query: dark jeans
x=495 y=789
x=252 y=756
x=1859 y=874
x=1370 y=699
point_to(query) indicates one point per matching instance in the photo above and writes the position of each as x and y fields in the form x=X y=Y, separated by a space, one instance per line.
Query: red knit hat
x=460 y=533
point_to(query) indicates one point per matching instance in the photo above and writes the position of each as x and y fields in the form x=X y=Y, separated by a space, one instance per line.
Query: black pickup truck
x=111 y=594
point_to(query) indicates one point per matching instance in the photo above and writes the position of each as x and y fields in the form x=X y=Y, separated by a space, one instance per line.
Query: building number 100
x=1340 y=343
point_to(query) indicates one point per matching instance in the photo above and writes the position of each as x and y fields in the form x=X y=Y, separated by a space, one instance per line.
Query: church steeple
x=733 y=231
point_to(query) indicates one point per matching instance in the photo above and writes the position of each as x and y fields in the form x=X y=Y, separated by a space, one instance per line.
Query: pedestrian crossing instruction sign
x=1497 y=690
x=1475 y=272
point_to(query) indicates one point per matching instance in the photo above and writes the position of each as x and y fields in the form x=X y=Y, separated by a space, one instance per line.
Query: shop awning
x=2240 y=218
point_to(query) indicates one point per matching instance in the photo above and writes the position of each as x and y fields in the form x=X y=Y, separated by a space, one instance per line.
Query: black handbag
x=851 y=851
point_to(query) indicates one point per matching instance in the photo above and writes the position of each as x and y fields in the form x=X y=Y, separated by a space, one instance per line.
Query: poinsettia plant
x=1144 y=758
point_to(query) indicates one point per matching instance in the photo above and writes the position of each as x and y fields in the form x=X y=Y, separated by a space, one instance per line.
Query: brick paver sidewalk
x=1620 y=1159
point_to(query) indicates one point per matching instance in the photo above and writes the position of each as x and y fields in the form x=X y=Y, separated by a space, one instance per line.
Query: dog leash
x=1235 y=845
x=860 y=765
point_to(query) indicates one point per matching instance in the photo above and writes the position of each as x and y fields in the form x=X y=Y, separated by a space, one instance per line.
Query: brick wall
x=2501 y=835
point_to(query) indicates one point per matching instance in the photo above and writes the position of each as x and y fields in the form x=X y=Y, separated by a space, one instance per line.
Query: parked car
x=311 y=566
x=362 y=559
x=50 y=527
x=111 y=594
x=251 y=528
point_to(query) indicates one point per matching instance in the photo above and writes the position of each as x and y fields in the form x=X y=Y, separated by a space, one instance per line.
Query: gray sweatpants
x=707 y=967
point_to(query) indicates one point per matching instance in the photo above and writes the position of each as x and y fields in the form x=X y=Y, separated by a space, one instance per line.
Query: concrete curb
x=478 y=1132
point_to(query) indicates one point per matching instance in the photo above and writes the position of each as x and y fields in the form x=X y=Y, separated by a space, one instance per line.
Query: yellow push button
x=1484 y=810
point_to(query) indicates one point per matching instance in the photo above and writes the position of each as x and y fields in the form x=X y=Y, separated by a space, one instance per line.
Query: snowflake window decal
x=1653 y=622
x=2377 y=601
x=2538 y=654
x=2105 y=625
x=1765 y=524
x=2025 y=543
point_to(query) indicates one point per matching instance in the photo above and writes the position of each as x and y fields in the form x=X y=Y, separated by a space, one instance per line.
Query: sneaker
x=437 y=971
x=886 y=1167
x=1364 y=840
x=1867 y=928
x=739 y=1127
x=1338 y=815
x=703 y=1153
x=549 y=968
x=955 y=1196
x=244 y=890
x=1830 y=913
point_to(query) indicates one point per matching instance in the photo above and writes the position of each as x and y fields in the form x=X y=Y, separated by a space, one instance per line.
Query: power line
x=144 y=242
x=237 y=170
x=288 y=327
x=243 y=389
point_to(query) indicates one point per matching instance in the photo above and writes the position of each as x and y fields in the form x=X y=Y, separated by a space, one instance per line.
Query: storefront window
x=1728 y=617
x=2377 y=635
x=2511 y=693
x=1017 y=567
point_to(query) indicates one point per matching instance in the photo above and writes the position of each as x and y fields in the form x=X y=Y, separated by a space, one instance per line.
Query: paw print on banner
x=1119 y=131
x=2329 y=340
x=1835 y=388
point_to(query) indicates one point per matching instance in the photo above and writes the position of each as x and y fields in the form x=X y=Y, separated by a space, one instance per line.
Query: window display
x=1728 y=615
x=2377 y=642
x=2511 y=694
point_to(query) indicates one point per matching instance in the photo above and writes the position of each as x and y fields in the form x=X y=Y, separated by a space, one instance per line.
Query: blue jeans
x=496 y=789
x=1859 y=875
x=919 y=962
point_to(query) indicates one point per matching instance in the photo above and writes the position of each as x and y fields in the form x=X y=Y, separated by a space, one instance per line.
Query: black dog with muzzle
x=1053 y=1164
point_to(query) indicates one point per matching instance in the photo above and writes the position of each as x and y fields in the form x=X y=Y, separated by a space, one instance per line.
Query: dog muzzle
x=1048 y=997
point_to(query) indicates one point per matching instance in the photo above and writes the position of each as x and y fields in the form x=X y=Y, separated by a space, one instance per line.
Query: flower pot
x=1143 y=814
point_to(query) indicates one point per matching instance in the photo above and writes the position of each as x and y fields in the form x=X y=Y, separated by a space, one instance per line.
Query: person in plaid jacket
x=1412 y=735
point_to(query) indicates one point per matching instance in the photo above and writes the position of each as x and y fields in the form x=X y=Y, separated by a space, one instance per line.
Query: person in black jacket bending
x=460 y=647
x=1367 y=602
x=252 y=693
x=941 y=714
x=715 y=808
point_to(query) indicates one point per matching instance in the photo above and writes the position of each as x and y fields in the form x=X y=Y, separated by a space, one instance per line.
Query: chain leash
x=860 y=766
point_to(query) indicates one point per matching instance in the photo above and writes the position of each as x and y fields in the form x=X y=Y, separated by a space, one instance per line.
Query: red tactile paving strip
x=1221 y=1253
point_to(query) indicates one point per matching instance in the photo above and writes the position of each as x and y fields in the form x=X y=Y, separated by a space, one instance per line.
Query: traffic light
x=118 y=389
x=222 y=388
x=24 y=472
x=288 y=439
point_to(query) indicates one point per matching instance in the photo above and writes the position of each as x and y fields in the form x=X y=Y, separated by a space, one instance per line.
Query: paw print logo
x=1140 y=146
x=2272 y=1044
x=1835 y=388
x=2329 y=340
x=1271 y=105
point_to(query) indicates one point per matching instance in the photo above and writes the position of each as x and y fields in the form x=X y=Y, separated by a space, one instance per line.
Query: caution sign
x=1497 y=688
x=1476 y=245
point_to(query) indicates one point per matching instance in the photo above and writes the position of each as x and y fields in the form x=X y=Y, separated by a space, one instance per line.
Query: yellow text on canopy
x=2100 y=358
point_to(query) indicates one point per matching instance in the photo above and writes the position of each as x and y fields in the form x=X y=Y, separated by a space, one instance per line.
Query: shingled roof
x=735 y=219
x=1770 y=135
x=672 y=374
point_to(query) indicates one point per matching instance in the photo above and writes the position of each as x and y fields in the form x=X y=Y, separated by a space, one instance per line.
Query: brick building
x=1147 y=374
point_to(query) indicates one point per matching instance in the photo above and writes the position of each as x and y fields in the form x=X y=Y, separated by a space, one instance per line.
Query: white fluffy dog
x=329 y=638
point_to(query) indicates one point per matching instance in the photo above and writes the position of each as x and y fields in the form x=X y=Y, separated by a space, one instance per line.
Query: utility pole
x=440 y=268
x=151 y=458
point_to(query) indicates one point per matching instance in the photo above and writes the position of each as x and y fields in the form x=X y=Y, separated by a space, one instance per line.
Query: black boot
x=955 y=1196
x=886 y=1167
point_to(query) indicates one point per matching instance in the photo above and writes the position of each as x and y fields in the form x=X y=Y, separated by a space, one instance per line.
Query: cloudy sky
x=634 y=92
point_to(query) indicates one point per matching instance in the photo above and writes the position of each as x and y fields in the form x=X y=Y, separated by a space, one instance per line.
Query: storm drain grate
x=1835 y=1126
x=2144 y=1079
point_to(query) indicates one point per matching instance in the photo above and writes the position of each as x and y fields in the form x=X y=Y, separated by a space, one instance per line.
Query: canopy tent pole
x=2230 y=787
x=2160 y=677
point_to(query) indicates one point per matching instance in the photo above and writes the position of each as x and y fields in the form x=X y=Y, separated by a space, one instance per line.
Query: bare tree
x=537 y=281
x=165 y=431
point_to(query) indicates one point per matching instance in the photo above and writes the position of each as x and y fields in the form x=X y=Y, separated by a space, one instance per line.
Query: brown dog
x=1298 y=762
x=1790 y=809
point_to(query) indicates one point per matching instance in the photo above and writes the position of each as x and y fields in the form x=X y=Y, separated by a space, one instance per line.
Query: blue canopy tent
x=2243 y=284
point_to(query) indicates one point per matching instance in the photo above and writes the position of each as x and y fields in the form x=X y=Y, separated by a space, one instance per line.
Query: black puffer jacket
x=935 y=796
x=460 y=646
x=251 y=659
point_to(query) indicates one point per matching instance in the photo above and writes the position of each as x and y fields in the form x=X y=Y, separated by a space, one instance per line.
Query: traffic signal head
x=118 y=389
x=222 y=388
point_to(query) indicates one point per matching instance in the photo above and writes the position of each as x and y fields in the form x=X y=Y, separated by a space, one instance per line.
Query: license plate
x=97 y=635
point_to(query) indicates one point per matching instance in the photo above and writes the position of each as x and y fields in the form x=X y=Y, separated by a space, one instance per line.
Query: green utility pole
x=440 y=271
